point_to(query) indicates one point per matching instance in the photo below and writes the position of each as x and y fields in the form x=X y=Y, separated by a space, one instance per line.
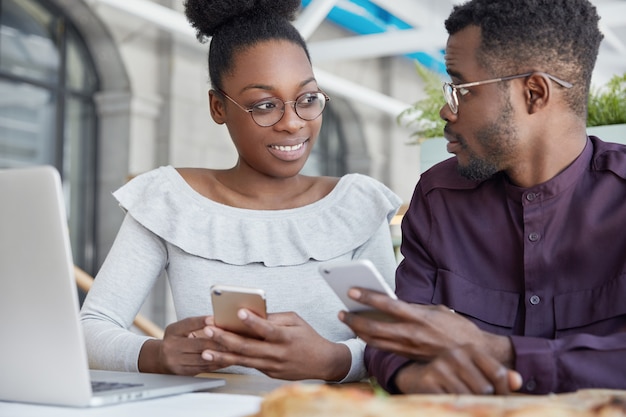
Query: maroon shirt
x=544 y=265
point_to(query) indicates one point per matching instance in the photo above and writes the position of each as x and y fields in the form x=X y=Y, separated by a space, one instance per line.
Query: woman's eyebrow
x=271 y=88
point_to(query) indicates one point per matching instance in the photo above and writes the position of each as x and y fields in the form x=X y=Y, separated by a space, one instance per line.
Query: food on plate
x=306 y=400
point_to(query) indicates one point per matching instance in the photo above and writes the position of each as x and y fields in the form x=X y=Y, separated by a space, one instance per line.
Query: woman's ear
x=538 y=92
x=216 y=107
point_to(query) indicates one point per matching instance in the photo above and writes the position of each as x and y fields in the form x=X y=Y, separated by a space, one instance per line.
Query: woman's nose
x=290 y=120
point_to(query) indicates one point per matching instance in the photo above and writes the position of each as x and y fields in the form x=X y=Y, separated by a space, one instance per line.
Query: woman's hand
x=287 y=348
x=179 y=352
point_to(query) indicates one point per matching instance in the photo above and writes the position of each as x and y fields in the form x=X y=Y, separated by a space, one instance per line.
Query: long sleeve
x=380 y=251
x=416 y=263
x=133 y=265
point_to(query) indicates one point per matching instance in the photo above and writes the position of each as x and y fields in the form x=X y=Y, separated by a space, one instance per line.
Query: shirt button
x=533 y=237
x=534 y=300
x=531 y=196
x=531 y=385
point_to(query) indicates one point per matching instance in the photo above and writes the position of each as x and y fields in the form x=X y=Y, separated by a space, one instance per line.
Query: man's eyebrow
x=455 y=74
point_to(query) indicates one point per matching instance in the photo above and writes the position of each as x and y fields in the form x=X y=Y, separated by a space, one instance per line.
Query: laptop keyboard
x=100 y=386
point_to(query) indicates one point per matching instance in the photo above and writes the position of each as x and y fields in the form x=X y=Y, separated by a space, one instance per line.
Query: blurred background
x=108 y=89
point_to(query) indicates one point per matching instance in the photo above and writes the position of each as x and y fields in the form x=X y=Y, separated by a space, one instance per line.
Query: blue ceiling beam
x=365 y=18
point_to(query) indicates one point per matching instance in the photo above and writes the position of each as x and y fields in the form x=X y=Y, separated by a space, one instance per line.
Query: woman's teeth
x=287 y=148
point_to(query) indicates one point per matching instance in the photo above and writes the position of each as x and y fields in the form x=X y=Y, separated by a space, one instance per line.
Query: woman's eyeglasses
x=451 y=91
x=270 y=111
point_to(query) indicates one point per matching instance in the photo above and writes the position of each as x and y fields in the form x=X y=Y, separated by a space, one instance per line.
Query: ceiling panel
x=424 y=34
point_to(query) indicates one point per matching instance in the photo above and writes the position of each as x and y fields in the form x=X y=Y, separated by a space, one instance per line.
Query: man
x=514 y=270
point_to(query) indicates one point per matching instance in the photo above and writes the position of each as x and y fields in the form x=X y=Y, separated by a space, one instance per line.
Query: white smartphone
x=228 y=299
x=341 y=276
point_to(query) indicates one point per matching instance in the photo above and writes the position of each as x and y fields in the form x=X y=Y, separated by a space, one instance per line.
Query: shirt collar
x=557 y=184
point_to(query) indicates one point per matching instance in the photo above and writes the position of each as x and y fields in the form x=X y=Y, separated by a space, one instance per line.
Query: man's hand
x=421 y=332
x=460 y=370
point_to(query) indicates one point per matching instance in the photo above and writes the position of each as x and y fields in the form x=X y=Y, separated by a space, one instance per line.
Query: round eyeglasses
x=451 y=91
x=269 y=111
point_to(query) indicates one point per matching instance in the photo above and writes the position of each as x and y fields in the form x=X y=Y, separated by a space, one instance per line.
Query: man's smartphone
x=341 y=276
x=228 y=299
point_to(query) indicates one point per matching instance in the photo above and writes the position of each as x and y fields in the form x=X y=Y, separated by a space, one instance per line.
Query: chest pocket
x=598 y=311
x=491 y=310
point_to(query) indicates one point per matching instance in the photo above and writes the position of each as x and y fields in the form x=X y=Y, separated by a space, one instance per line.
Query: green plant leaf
x=378 y=390
x=607 y=105
x=423 y=116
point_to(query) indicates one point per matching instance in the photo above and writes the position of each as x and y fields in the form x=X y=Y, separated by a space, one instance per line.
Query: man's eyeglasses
x=451 y=91
x=269 y=111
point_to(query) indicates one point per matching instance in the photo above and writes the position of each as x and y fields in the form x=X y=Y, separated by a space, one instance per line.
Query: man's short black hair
x=560 y=37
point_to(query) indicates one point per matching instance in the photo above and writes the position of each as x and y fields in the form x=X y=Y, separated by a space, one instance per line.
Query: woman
x=258 y=224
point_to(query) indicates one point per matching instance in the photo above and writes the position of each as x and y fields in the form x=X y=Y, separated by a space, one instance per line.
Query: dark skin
x=264 y=178
x=548 y=136
x=451 y=354
x=542 y=137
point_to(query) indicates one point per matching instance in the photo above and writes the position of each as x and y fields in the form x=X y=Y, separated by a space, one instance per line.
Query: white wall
x=393 y=161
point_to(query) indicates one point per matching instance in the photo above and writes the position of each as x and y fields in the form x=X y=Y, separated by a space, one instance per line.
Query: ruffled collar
x=163 y=202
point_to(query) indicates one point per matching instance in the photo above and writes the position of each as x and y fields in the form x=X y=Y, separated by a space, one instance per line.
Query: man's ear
x=216 y=107
x=538 y=92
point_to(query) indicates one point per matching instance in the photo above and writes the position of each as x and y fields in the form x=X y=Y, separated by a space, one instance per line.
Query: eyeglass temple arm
x=560 y=82
x=493 y=80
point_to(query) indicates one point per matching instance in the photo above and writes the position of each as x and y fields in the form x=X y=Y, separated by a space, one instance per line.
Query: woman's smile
x=289 y=152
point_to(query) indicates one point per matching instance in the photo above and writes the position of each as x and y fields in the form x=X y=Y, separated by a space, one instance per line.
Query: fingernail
x=242 y=314
x=208 y=332
x=207 y=356
x=345 y=317
x=354 y=293
x=515 y=380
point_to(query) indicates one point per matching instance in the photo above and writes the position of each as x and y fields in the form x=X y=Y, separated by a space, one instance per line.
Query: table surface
x=239 y=397
x=261 y=384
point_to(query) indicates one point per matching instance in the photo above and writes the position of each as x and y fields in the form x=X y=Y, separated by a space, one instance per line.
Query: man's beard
x=477 y=169
x=498 y=140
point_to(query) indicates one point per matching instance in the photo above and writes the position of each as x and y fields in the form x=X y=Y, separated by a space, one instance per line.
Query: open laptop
x=42 y=353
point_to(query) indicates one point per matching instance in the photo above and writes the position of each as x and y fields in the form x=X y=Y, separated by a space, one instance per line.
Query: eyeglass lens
x=269 y=112
x=449 y=94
